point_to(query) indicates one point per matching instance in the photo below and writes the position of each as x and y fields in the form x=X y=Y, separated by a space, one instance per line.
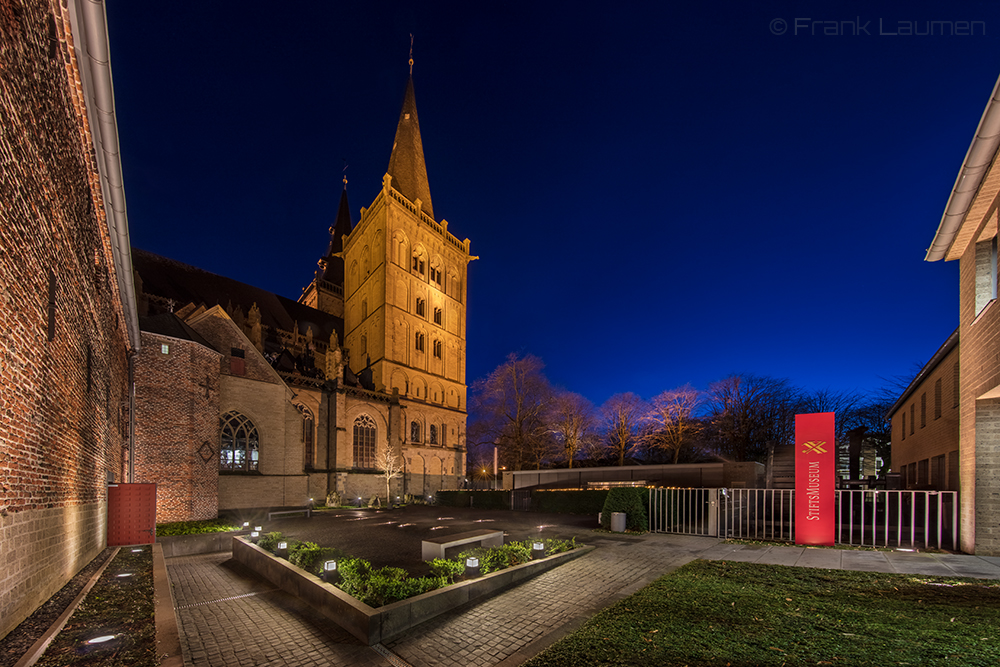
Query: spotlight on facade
x=538 y=549
x=330 y=574
x=471 y=567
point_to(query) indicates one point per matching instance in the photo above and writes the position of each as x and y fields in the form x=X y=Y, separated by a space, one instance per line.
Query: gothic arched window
x=308 y=439
x=239 y=447
x=364 y=442
x=414 y=431
x=434 y=434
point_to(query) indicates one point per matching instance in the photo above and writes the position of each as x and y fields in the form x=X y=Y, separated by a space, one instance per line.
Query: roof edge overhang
x=90 y=41
x=928 y=368
x=970 y=177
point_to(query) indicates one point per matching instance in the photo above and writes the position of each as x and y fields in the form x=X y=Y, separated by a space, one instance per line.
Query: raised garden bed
x=372 y=625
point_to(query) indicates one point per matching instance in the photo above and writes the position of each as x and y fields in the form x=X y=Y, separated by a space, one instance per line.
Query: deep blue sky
x=660 y=194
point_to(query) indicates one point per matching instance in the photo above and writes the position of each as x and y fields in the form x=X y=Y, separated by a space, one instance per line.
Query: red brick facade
x=63 y=338
x=177 y=426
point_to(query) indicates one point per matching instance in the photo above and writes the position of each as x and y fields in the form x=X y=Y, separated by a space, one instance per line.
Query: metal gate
x=864 y=517
x=131 y=514
x=520 y=500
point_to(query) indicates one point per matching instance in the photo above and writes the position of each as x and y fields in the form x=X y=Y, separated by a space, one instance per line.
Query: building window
x=419 y=341
x=364 y=442
x=437 y=349
x=937 y=398
x=364 y=309
x=437 y=316
x=239 y=447
x=923 y=409
x=904 y=426
x=955 y=387
x=308 y=439
x=364 y=344
x=913 y=417
x=418 y=265
x=421 y=307
x=986 y=273
x=436 y=276
x=434 y=434
x=444 y=433
x=414 y=431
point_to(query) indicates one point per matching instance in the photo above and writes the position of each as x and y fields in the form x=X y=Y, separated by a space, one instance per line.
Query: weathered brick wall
x=177 y=426
x=61 y=395
x=979 y=454
x=935 y=436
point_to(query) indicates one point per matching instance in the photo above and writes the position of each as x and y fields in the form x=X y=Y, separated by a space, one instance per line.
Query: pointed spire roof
x=406 y=165
x=333 y=267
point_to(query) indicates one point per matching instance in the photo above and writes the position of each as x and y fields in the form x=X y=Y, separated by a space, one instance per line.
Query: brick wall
x=177 y=426
x=62 y=386
x=979 y=453
x=932 y=436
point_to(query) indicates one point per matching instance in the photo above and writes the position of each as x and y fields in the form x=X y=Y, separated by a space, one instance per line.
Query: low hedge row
x=559 y=502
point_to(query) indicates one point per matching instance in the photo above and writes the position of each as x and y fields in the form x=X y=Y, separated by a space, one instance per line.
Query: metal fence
x=914 y=519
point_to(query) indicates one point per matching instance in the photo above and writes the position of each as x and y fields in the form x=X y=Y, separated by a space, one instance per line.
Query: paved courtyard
x=229 y=616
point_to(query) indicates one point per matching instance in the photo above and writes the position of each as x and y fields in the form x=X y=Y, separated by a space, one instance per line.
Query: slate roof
x=333 y=267
x=168 y=324
x=185 y=284
x=406 y=164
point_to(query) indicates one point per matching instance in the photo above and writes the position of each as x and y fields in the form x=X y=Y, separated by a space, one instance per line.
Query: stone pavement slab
x=777 y=555
x=865 y=561
x=827 y=559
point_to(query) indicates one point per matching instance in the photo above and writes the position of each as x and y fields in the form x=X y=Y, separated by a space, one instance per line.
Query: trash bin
x=618 y=522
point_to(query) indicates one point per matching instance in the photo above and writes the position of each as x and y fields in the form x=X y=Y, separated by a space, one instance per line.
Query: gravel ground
x=21 y=638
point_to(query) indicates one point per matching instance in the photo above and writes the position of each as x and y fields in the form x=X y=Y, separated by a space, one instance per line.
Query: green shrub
x=310 y=556
x=630 y=500
x=380 y=587
x=446 y=568
x=569 y=502
x=555 y=546
x=492 y=559
x=486 y=500
x=269 y=541
x=195 y=527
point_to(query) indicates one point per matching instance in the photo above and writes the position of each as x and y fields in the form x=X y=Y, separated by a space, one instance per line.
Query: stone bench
x=434 y=548
x=307 y=510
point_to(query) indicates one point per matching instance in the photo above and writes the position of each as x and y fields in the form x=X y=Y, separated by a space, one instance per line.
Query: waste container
x=618 y=522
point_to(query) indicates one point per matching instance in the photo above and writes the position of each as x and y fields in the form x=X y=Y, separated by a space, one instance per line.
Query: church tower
x=405 y=296
x=326 y=291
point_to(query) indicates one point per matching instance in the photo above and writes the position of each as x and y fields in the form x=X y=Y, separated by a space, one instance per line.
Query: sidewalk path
x=229 y=616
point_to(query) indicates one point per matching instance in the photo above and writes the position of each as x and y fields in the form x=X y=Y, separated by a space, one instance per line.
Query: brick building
x=68 y=324
x=246 y=399
x=968 y=233
x=925 y=443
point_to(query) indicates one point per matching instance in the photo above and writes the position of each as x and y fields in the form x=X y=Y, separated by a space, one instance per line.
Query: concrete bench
x=307 y=510
x=434 y=548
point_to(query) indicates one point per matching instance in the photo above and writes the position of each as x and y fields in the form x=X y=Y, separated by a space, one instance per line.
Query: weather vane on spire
x=411 y=54
x=345 y=173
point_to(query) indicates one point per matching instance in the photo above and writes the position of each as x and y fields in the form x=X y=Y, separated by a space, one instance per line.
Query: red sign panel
x=815 y=459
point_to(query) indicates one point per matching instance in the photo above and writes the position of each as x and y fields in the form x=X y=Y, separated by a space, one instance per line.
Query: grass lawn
x=742 y=614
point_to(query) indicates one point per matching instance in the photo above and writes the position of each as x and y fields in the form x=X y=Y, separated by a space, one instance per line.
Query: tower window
x=437 y=316
x=434 y=434
x=364 y=442
x=419 y=342
x=436 y=276
x=418 y=264
x=414 y=431
x=421 y=307
x=437 y=349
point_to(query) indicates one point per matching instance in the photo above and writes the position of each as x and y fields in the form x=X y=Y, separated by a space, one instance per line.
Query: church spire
x=333 y=266
x=406 y=165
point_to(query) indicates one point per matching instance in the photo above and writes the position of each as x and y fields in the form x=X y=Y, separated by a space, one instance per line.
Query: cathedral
x=247 y=399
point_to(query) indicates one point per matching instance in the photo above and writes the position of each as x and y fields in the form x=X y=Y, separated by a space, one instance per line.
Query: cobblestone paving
x=228 y=617
x=488 y=632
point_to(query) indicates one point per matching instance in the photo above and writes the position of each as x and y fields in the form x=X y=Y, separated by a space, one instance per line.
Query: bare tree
x=391 y=467
x=671 y=415
x=509 y=407
x=571 y=419
x=750 y=413
x=622 y=417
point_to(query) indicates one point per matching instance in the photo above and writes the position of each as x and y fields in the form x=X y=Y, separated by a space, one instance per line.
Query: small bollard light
x=254 y=536
x=246 y=524
x=471 y=567
x=538 y=550
x=282 y=551
x=258 y=528
x=330 y=574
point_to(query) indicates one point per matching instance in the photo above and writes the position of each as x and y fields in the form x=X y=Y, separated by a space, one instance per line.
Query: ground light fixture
x=330 y=573
x=246 y=524
x=100 y=640
x=282 y=551
x=471 y=567
x=538 y=549
x=254 y=536
x=137 y=551
x=258 y=528
x=124 y=575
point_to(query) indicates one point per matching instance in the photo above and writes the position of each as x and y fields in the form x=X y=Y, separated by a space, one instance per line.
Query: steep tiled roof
x=333 y=270
x=183 y=283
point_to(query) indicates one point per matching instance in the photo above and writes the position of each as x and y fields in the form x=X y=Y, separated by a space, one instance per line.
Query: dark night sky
x=659 y=194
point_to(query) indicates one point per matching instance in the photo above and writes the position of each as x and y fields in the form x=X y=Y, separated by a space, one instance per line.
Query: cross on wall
x=207 y=384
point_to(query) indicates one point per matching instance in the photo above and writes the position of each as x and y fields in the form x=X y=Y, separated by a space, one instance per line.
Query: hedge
x=630 y=500
x=484 y=500
x=569 y=502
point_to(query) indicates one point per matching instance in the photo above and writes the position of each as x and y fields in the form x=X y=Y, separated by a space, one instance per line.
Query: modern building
x=968 y=234
x=925 y=418
x=68 y=324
